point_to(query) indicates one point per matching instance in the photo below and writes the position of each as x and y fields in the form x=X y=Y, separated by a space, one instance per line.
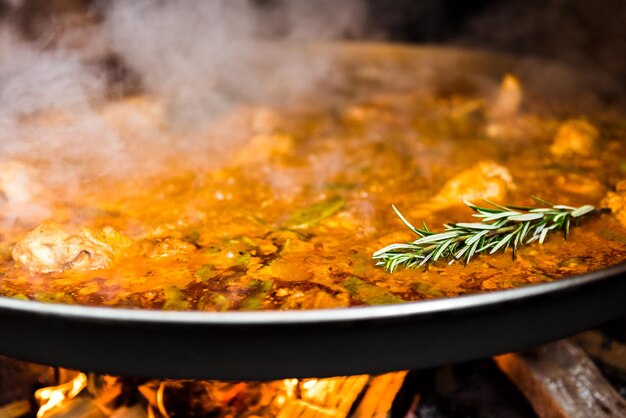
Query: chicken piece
x=52 y=247
x=485 y=180
x=574 y=137
x=616 y=201
x=509 y=98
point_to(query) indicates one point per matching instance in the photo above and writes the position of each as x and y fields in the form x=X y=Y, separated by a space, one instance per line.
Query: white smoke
x=206 y=56
x=196 y=61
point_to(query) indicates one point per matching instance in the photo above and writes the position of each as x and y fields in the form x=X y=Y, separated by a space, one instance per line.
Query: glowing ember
x=54 y=396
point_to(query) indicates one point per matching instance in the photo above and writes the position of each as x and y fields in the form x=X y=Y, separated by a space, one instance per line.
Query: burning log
x=561 y=381
x=53 y=397
x=77 y=408
x=322 y=398
x=379 y=396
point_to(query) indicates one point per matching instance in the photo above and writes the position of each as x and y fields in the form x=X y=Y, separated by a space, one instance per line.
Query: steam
x=194 y=60
x=206 y=56
x=46 y=115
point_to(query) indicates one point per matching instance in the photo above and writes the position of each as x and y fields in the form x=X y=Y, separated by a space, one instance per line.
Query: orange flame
x=53 y=396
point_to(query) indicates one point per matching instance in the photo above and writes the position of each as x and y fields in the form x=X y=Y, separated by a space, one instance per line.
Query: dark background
x=579 y=32
x=589 y=33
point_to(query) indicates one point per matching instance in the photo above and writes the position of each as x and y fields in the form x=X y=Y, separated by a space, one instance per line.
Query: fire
x=309 y=384
x=53 y=396
x=335 y=397
x=290 y=387
x=331 y=397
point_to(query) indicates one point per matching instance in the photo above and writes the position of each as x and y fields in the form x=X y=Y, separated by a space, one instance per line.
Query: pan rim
x=314 y=316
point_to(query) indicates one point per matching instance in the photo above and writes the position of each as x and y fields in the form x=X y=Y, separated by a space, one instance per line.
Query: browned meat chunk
x=616 y=201
x=52 y=247
x=574 y=137
x=485 y=180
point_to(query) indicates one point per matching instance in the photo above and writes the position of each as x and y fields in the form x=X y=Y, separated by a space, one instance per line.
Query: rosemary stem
x=500 y=227
x=500 y=231
x=462 y=238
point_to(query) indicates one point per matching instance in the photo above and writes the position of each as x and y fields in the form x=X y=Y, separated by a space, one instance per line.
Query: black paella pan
x=287 y=344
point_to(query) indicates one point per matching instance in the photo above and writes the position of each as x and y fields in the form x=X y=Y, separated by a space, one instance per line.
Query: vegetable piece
x=369 y=293
x=243 y=258
x=55 y=297
x=257 y=291
x=206 y=273
x=426 y=291
x=500 y=227
x=222 y=302
x=612 y=236
x=175 y=300
x=314 y=214
x=192 y=237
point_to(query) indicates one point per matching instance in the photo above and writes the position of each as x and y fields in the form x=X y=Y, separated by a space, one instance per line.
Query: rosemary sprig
x=500 y=227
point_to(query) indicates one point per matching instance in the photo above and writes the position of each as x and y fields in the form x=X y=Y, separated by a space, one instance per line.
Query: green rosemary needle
x=500 y=227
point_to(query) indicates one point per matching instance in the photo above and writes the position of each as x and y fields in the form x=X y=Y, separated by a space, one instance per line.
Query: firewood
x=331 y=397
x=610 y=354
x=561 y=381
x=382 y=390
x=77 y=408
